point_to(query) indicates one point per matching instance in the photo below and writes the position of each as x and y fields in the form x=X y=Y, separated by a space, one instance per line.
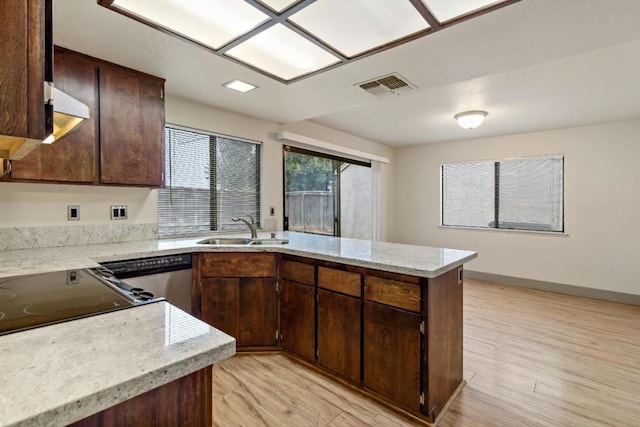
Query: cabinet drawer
x=392 y=292
x=344 y=282
x=298 y=272
x=238 y=265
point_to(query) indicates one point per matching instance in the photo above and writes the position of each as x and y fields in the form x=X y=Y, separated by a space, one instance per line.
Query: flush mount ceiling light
x=240 y=86
x=289 y=40
x=470 y=119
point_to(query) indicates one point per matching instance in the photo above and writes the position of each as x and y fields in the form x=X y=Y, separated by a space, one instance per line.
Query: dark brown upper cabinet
x=73 y=158
x=122 y=143
x=25 y=64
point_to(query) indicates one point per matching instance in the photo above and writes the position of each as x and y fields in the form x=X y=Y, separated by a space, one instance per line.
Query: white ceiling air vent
x=391 y=84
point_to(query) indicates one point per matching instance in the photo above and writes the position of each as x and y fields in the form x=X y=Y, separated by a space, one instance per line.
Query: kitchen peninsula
x=408 y=295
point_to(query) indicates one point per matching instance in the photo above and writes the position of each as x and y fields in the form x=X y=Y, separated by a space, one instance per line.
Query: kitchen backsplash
x=71 y=235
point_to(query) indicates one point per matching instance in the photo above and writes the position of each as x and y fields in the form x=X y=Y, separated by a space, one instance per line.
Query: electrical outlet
x=73 y=213
x=118 y=211
x=272 y=211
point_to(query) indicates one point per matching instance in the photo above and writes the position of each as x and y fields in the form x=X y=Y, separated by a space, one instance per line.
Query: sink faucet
x=254 y=232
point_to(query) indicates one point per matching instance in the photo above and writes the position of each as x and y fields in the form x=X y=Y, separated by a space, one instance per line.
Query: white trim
x=333 y=148
x=208 y=132
x=505 y=230
x=376 y=212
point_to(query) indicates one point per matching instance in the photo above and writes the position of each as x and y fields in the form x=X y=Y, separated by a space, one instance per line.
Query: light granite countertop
x=414 y=260
x=58 y=374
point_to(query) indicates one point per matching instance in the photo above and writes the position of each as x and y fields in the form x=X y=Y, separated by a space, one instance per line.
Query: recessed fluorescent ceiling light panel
x=446 y=10
x=239 y=85
x=282 y=52
x=212 y=23
x=289 y=40
x=356 y=26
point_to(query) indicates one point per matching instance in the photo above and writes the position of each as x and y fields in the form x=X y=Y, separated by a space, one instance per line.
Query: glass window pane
x=310 y=186
x=183 y=205
x=210 y=22
x=355 y=26
x=237 y=175
x=468 y=194
x=283 y=53
x=210 y=179
x=531 y=194
x=355 y=201
x=444 y=10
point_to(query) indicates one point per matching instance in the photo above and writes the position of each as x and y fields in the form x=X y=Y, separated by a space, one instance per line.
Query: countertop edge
x=108 y=397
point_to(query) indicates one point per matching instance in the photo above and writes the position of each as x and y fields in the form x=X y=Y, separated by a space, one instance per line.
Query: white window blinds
x=519 y=194
x=209 y=180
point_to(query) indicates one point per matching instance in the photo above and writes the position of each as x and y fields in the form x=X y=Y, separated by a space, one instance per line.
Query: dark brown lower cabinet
x=297 y=319
x=339 y=333
x=186 y=401
x=392 y=354
x=245 y=308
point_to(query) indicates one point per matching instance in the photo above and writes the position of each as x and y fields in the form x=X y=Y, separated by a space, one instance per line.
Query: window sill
x=505 y=230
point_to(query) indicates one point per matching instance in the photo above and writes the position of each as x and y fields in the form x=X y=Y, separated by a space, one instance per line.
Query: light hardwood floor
x=531 y=358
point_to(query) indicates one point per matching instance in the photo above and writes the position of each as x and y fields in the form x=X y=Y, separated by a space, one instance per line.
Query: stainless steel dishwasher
x=166 y=276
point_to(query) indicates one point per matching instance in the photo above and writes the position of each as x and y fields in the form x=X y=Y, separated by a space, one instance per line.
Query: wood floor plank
x=531 y=358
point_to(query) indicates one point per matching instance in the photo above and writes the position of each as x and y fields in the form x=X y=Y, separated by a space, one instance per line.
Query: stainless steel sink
x=218 y=241
x=226 y=241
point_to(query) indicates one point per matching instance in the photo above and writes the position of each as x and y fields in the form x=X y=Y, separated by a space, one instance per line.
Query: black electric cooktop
x=43 y=299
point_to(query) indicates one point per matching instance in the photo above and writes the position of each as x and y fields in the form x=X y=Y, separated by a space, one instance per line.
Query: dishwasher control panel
x=144 y=266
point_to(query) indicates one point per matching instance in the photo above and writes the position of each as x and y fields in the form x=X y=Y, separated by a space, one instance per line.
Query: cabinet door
x=392 y=353
x=339 y=333
x=245 y=308
x=74 y=157
x=220 y=299
x=25 y=63
x=297 y=319
x=131 y=128
x=258 y=314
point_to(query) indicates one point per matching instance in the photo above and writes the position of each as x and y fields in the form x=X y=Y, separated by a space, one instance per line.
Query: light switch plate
x=73 y=213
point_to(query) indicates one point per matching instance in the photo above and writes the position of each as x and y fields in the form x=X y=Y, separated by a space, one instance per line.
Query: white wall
x=28 y=204
x=602 y=207
x=34 y=205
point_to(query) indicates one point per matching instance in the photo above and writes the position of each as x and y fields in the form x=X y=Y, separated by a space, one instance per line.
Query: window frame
x=496 y=196
x=214 y=226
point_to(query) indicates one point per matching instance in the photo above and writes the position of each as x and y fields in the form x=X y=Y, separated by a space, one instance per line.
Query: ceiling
x=533 y=65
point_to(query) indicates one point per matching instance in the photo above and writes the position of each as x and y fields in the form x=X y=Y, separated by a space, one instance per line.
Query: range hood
x=68 y=115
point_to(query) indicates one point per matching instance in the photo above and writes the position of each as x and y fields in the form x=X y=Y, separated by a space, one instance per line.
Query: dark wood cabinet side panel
x=258 y=316
x=186 y=401
x=13 y=68
x=220 y=300
x=445 y=335
x=392 y=354
x=39 y=64
x=74 y=157
x=339 y=333
x=297 y=318
x=131 y=152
